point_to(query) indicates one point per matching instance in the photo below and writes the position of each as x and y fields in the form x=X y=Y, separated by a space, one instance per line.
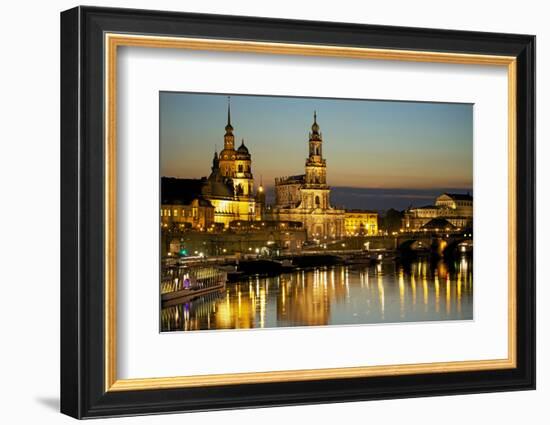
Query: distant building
x=183 y=206
x=306 y=198
x=457 y=209
x=461 y=205
x=361 y=223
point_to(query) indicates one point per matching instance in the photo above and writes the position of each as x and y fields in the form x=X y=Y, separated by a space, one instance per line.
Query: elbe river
x=388 y=292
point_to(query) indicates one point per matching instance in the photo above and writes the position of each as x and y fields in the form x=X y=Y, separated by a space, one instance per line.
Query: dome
x=217 y=185
x=243 y=149
x=226 y=155
x=221 y=188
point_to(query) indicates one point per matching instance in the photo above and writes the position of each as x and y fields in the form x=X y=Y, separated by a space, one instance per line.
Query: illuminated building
x=456 y=208
x=461 y=205
x=361 y=223
x=306 y=197
x=182 y=205
x=198 y=214
x=230 y=186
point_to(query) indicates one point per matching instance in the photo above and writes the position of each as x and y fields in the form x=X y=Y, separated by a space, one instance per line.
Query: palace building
x=361 y=223
x=183 y=206
x=228 y=190
x=305 y=198
x=451 y=210
x=230 y=186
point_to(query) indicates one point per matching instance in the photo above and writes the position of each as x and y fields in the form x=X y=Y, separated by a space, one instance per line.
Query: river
x=390 y=292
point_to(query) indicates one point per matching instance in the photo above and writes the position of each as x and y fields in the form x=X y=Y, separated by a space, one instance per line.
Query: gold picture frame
x=91 y=39
x=114 y=41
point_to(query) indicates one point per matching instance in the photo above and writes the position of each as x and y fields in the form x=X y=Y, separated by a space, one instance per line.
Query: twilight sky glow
x=395 y=153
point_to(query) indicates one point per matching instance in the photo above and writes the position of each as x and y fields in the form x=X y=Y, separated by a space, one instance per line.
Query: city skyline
x=302 y=252
x=381 y=154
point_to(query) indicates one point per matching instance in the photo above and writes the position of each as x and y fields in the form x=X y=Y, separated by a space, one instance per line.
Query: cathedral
x=230 y=186
x=227 y=197
x=305 y=198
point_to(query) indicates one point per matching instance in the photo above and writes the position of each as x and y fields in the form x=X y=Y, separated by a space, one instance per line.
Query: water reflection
x=402 y=292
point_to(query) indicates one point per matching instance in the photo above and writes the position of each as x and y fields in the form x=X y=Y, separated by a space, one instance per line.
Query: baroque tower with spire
x=230 y=186
x=236 y=164
x=228 y=154
x=306 y=197
x=316 y=191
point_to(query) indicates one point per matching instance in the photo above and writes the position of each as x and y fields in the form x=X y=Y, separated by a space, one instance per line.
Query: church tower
x=315 y=193
x=243 y=179
x=305 y=198
x=228 y=154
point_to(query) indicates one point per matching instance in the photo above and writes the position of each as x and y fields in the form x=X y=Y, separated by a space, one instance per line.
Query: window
x=240 y=168
x=317 y=200
x=175 y=213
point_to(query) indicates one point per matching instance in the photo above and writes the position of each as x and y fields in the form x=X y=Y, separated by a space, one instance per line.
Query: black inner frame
x=82 y=212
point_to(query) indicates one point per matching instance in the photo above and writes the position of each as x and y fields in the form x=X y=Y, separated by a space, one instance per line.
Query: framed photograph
x=261 y=212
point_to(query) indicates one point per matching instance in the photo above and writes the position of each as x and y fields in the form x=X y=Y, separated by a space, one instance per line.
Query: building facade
x=197 y=214
x=456 y=208
x=230 y=186
x=361 y=223
x=305 y=198
x=228 y=190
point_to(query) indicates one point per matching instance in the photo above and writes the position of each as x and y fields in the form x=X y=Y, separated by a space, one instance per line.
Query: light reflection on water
x=340 y=295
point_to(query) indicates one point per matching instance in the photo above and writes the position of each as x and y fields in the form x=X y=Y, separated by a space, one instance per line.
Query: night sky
x=380 y=154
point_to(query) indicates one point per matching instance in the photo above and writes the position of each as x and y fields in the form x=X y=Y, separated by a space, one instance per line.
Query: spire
x=228 y=127
x=229 y=110
x=315 y=126
x=215 y=161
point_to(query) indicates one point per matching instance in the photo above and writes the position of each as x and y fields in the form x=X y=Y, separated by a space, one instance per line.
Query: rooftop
x=360 y=211
x=459 y=196
x=292 y=179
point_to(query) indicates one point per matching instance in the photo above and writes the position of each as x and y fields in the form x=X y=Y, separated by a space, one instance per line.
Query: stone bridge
x=435 y=242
